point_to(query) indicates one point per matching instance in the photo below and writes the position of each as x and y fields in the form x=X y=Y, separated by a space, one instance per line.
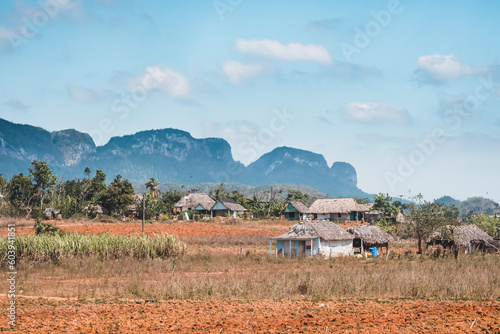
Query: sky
x=408 y=92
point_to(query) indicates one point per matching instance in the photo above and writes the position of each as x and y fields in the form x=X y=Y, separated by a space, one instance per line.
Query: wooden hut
x=468 y=238
x=315 y=237
x=337 y=209
x=366 y=236
x=226 y=207
x=295 y=211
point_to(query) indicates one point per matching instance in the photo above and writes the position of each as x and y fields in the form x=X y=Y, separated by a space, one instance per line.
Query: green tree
x=152 y=185
x=219 y=192
x=297 y=196
x=490 y=225
x=239 y=198
x=4 y=184
x=43 y=178
x=169 y=198
x=118 y=196
x=97 y=187
x=87 y=172
x=21 y=193
x=383 y=204
x=425 y=218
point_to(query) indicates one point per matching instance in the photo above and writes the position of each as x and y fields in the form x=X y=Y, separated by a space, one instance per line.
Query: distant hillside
x=169 y=155
x=473 y=204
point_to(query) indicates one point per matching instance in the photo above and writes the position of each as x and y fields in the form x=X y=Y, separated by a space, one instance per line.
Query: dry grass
x=222 y=274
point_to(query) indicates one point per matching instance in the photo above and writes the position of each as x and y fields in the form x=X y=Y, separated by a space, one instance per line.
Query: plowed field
x=58 y=316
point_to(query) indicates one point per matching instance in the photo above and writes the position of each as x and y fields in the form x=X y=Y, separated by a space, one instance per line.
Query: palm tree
x=152 y=185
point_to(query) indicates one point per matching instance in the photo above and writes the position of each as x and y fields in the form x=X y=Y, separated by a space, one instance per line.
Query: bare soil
x=44 y=315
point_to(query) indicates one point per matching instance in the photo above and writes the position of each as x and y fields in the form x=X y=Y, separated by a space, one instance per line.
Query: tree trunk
x=419 y=245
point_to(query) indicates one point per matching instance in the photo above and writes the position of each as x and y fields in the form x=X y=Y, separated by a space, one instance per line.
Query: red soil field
x=44 y=315
x=180 y=229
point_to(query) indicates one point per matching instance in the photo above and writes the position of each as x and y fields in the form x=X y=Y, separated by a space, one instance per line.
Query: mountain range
x=169 y=155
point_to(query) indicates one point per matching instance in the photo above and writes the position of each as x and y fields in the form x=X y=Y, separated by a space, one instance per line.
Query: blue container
x=373 y=250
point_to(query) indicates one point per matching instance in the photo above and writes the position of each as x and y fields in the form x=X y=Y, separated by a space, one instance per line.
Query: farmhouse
x=226 y=207
x=295 y=211
x=201 y=203
x=367 y=236
x=338 y=209
x=315 y=237
x=468 y=238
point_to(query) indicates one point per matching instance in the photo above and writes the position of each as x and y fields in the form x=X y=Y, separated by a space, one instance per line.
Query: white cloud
x=381 y=113
x=16 y=105
x=26 y=21
x=439 y=68
x=85 y=95
x=290 y=52
x=238 y=73
x=163 y=79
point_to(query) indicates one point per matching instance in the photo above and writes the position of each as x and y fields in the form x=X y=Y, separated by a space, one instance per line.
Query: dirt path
x=57 y=316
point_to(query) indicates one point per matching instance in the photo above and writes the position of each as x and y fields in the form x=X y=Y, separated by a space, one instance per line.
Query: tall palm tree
x=152 y=185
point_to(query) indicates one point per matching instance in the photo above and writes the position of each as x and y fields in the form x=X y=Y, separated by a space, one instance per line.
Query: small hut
x=51 y=214
x=226 y=207
x=466 y=237
x=295 y=211
x=366 y=236
x=95 y=210
x=315 y=237
x=337 y=209
x=199 y=202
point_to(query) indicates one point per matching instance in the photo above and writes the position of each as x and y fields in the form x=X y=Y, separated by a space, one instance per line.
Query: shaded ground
x=70 y=316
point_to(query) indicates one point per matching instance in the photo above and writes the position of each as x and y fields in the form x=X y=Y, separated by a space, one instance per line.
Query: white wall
x=336 y=248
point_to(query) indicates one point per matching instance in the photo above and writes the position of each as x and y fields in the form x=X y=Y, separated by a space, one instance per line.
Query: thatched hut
x=315 y=237
x=200 y=203
x=366 y=236
x=295 y=211
x=337 y=209
x=226 y=207
x=466 y=237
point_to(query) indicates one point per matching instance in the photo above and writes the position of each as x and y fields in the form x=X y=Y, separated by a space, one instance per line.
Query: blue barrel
x=373 y=250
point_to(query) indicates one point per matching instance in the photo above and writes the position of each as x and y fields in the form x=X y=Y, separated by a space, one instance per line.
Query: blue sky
x=408 y=92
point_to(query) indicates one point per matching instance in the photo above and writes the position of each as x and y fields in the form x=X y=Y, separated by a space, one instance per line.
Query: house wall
x=336 y=248
x=284 y=246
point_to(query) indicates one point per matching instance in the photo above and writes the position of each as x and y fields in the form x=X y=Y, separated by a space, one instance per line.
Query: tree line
x=29 y=195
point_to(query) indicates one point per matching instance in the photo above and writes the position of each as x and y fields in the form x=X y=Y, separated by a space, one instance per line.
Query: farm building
x=338 y=209
x=367 y=236
x=295 y=211
x=466 y=237
x=201 y=203
x=315 y=237
x=226 y=207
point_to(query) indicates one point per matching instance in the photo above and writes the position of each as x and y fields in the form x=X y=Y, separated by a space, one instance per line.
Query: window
x=291 y=214
x=339 y=215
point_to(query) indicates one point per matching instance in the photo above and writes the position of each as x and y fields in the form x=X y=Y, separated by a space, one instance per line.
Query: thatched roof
x=327 y=230
x=231 y=204
x=335 y=205
x=372 y=235
x=192 y=200
x=300 y=207
x=462 y=235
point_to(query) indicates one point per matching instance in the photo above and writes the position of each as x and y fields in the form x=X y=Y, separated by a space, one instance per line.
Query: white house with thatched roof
x=314 y=237
x=201 y=203
x=226 y=207
x=338 y=209
x=466 y=237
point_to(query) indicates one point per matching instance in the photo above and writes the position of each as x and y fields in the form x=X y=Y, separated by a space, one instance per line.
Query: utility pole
x=143 y=211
